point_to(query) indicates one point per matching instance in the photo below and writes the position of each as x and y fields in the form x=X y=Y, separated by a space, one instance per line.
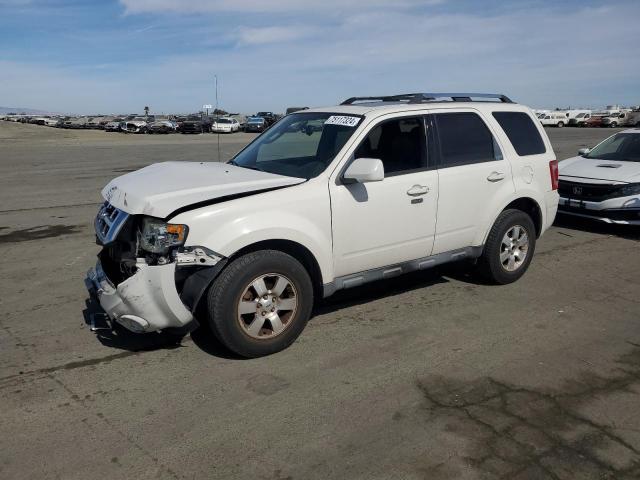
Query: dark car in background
x=269 y=117
x=114 y=125
x=194 y=124
x=594 y=121
x=255 y=124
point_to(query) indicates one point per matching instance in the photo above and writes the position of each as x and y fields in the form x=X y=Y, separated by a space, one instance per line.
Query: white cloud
x=262 y=36
x=260 y=6
x=540 y=57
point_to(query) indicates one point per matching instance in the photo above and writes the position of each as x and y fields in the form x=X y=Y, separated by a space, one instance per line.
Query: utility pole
x=217 y=110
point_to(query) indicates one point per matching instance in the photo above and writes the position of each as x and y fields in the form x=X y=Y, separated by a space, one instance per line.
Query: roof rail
x=432 y=97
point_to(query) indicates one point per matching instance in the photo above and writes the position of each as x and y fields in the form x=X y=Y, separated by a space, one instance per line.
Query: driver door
x=379 y=224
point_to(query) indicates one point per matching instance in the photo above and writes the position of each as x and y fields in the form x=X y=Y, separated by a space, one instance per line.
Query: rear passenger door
x=474 y=178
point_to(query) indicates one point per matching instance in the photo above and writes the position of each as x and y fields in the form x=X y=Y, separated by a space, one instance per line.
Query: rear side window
x=464 y=139
x=522 y=133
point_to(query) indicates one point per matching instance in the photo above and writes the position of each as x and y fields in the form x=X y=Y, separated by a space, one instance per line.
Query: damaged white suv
x=326 y=199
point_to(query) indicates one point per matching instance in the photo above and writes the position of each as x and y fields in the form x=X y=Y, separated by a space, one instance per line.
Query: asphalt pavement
x=429 y=376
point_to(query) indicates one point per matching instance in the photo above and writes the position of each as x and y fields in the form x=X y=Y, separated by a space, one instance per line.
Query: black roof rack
x=432 y=97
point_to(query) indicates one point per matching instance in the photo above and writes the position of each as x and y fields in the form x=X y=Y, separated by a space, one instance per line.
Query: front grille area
x=590 y=192
x=108 y=223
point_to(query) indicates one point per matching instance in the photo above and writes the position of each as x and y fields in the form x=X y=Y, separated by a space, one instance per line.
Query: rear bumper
x=551 y=204
x=145 y=302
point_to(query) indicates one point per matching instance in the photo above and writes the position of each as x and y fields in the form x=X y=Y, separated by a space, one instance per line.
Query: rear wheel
x=260 y=303
x=509 y=247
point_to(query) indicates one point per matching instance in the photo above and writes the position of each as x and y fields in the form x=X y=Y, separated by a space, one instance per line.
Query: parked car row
x=611 y=117
x=194 y=123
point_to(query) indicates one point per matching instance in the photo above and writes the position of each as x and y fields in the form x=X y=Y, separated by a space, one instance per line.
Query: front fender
x=300 y=214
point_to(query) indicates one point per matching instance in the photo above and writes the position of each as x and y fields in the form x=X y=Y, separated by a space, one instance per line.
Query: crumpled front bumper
x=145 y=302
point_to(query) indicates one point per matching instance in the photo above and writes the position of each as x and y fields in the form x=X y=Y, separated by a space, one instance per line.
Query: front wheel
x=509 y=247
x=560 y=124
x=614 y=124
x=260 y=303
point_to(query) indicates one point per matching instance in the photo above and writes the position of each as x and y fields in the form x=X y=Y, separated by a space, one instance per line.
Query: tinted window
x=400 y=144
x=522 y=133
x=464 y=138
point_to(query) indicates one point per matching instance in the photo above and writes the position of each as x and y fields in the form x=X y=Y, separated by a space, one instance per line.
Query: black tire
x=560 y=124
x=489 y=264
x=227 y=290
x=614 y=124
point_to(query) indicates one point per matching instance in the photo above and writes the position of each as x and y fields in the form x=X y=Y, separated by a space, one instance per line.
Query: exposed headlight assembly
x=631 y=189
x=158 y=236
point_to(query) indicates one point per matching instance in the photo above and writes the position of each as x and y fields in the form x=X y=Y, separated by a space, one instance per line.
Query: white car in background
x=603 y=183
x=554 y=119
x=616 y=119
x=135 y=125
x=225 y=125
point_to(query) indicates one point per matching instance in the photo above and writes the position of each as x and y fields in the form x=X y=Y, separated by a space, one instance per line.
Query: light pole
x=215 y=77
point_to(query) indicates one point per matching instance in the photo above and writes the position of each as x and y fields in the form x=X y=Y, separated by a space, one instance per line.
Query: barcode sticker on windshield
x=343 y=120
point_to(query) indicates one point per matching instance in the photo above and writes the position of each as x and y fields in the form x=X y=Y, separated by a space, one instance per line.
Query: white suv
x=326 y=199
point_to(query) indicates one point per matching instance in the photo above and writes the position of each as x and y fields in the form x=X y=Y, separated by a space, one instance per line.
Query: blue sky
x=118 y=56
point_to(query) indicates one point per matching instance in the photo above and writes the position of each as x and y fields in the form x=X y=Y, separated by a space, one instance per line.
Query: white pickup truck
x=326 y=199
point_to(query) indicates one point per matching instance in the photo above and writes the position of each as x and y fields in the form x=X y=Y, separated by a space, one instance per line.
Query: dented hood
x=162 y=188
x=603 y=170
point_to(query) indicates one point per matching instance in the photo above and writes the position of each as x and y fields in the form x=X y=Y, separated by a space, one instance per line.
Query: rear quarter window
x=522 y=133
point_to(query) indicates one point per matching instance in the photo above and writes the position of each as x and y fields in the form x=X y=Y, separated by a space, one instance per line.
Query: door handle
x=418 y=190
x=495 y=176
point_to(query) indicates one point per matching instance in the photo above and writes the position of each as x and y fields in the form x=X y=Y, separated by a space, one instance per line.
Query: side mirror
x=363 y=170
x=583 y=151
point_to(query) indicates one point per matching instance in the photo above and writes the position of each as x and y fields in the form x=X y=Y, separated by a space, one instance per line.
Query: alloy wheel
x=514 y=248
x=267 y=306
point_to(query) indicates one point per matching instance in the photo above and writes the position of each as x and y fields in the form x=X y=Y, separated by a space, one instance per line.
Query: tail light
x=553 y=171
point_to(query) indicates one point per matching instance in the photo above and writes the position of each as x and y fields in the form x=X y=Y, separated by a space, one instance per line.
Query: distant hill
x=19 y=110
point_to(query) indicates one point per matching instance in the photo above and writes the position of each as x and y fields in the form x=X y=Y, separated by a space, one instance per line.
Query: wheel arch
x=529 y=206
x=294 y=249
x=525 y=204
x=197 y=283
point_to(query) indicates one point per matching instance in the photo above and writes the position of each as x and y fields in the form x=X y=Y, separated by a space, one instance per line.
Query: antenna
x=217 y=114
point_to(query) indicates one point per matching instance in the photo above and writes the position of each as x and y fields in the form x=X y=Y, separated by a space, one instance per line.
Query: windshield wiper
x=235 y=164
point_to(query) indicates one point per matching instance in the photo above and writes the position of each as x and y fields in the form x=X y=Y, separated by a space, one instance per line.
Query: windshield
x=300 y=145
x=580 y=115
x=223 y=120
x=621 y=146
x=255 y=120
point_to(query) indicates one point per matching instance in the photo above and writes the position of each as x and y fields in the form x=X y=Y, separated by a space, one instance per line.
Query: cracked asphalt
x=429 y=376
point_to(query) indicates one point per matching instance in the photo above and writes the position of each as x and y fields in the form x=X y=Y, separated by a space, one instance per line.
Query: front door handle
x=418 y=190
x=495 y=176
